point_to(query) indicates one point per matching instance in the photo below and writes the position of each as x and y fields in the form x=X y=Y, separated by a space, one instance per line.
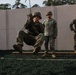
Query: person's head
x=74 y=21
x=49 y=14
x=36 y=16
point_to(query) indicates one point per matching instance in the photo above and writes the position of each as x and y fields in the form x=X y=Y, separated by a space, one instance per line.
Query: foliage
x=18 y=5
x=36 y=5
x=5 y=6
x=58 y=2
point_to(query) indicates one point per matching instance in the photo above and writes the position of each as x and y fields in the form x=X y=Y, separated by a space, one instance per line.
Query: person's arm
x=71 y=26
x=29 y=21
x=55 y=30
x=27 y=24
x=42 y=28
x=43 y=25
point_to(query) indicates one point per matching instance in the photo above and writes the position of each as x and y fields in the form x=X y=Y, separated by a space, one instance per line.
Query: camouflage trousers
x=51 y=40
x=75 y=41
x=35 y=41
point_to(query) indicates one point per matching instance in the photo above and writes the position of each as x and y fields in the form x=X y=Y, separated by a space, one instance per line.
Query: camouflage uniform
x=73 y=28
x=50 y=32
x=34 y=35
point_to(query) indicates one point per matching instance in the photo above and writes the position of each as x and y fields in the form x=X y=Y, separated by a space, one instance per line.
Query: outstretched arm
x=71 y=26
x=29 y=21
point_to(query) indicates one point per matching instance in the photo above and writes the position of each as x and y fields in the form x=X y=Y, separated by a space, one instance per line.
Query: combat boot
x=74 y=51
x=36 y=50
x=18 y=47
x=53 y=55
x=45 y=54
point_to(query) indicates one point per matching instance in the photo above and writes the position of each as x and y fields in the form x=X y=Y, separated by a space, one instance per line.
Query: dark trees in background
x=58 y=2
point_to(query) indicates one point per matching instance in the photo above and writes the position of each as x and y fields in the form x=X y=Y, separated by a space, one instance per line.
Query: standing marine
x=50 y=32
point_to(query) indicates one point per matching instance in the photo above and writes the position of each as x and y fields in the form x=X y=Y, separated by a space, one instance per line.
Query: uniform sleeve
x=71 y=26
x=55 y=29
x=27 y=24
x=43 y=23
x=41 y=28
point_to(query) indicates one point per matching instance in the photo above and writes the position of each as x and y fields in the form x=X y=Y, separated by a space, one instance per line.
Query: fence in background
x=11 y=21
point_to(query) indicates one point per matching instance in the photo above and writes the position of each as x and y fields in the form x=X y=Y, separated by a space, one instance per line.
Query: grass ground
x=22 y=64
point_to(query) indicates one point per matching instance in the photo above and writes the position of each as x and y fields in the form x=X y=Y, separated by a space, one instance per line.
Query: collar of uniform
x=36 y=23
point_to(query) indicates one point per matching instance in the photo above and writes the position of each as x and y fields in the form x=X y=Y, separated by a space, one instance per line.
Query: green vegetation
x=5 y=6
x=58 y=2
x=19 y=5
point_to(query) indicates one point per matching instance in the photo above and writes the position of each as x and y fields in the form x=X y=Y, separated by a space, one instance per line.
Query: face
x=36 y=19
x=49 y=16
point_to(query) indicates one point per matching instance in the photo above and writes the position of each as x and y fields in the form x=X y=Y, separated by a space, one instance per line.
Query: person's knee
x=21 y=32
x=29 y=40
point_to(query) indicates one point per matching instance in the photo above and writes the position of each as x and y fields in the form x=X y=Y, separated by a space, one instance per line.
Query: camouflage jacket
x=50 y=27
x=34 y=28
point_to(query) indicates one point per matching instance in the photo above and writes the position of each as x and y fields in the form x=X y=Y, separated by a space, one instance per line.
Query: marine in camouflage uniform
x=73 y=28
x=33 y=37
x=50 y=32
